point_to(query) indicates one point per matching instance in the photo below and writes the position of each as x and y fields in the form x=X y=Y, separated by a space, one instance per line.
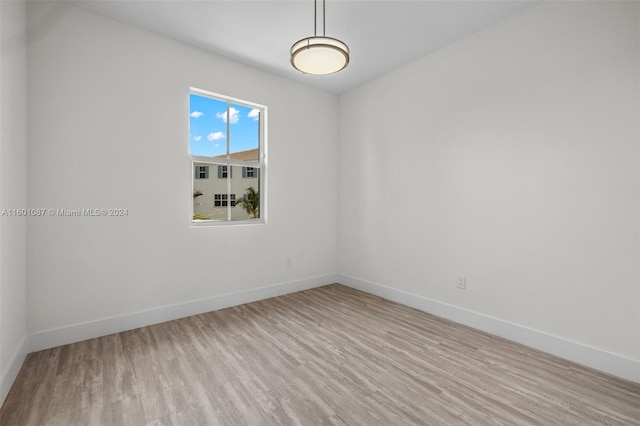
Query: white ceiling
x=382 y=35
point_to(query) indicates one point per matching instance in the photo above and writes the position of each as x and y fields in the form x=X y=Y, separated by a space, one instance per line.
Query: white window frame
x=261 y=165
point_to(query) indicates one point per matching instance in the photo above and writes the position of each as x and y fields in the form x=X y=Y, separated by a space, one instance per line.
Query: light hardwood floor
x=331 y=355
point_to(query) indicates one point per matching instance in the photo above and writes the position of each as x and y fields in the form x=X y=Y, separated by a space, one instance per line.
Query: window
x=227 y=134
x=202 y=172
x=220 y=200
x=249 y=172
x=223 y=172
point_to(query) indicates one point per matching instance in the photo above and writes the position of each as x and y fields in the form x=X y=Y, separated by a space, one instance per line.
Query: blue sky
x=208 y=127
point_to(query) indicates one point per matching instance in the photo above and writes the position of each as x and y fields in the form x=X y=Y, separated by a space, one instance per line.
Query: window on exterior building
x=221 y=200
x=249 y=172
x=223 y=172
x=227 y=134
x=201 y=172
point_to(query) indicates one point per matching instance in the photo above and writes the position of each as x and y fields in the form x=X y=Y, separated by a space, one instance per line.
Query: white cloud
x=233 y=115
x=215 y=136
x=197 y=114
x=197 y=138
x=254 y=113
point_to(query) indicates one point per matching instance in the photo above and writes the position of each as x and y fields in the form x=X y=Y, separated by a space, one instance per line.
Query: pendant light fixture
x=319 y=55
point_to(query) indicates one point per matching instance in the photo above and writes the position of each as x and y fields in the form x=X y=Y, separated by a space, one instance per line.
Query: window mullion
x=229 y=166
x=229 y=193
x=228 y=134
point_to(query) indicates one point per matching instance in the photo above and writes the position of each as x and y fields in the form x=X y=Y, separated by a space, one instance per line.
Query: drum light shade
x=319 y=55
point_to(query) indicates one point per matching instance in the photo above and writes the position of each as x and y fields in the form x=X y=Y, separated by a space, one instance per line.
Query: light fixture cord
x=324 y=18
x=315 y=18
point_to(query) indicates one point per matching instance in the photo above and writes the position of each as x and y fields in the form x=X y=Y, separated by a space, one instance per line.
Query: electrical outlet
x=288 y=262
x=461 y=282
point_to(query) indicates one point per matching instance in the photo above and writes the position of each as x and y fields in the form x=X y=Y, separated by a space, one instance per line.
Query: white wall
x=521 y=144
x=108 y=120
x=13 y=190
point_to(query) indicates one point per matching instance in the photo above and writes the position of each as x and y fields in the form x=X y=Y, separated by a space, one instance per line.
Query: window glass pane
x=246 y=191
x=244 y=133
x=210 y=197
x=207 y=126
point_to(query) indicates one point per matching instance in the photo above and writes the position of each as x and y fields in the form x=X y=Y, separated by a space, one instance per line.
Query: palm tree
x=250 y=203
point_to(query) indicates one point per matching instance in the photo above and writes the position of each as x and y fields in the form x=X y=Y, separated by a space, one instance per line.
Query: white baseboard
x=607 y=362
x=88 y=330
x=11 y=372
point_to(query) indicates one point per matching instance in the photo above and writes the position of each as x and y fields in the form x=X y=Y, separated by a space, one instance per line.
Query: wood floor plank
x=331 y=355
